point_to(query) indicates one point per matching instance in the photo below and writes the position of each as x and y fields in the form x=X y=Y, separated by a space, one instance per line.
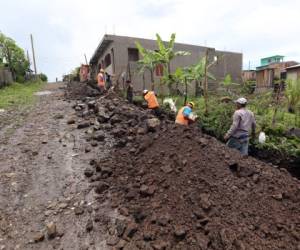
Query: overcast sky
x=64 y=30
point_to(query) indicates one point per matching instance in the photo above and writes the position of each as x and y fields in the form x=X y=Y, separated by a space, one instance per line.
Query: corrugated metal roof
x=294 y=67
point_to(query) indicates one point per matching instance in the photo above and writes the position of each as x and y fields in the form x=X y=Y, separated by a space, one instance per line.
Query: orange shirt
x=180 y=119
x=151 y=100
x=101 y=81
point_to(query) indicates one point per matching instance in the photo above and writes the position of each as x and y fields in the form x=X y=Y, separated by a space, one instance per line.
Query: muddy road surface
x=45 y=203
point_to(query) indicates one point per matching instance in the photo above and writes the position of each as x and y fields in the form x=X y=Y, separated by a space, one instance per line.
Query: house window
x=107 y=60
x=133 y=55
x=159 y=70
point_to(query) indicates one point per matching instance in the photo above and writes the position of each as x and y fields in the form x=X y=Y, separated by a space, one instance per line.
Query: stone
x=51 y=230
x=88 y=172
x=152 y=124
x=87 y=149
x=89 y=225
x=163 y=220
x=167 y=169
x=83 y=125
x=141 y=131
x=277 y=197
x=78 y=210
x=38 y=237
x=99 y=137
x=94 y=144
x=112 y=241
x=106 y=170
x=71 y=121
x=91 y=104
x=58 y=116
x=179 y=232
x=124 y=211
x=100 y=187
x=122 y=243
x=120 y=227
x=63 y=205
x=147 y=190
x=160 y=245
x=131 y=229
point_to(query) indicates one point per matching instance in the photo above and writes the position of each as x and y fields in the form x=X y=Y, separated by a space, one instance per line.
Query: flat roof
x=272 y=57
x=107 y=39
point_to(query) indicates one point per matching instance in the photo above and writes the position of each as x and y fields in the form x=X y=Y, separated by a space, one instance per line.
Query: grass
x=17 y=95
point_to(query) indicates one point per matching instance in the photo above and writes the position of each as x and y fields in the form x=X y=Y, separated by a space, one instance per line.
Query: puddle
x=40 y=93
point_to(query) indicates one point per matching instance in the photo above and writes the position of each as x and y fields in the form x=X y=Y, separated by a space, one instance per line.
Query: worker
x=152 y=102
x=185 y=114
x=101 y=80
x=243 y=123
x=129 y=91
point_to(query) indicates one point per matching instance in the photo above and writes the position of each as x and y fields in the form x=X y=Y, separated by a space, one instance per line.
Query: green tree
x=14 y=56
x=43 y=77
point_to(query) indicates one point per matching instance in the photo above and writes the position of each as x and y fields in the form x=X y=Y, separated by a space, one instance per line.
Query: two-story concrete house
x=118 y=55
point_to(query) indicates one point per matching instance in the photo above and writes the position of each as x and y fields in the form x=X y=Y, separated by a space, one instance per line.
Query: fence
x=5 y=77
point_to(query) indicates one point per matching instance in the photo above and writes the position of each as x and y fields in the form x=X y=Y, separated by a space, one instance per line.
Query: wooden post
x=205 y=82
x=186 y=89
x=33 y=55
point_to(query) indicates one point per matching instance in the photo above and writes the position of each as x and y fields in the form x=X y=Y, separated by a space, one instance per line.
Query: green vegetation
x=276 y=111
x=162 y=56
x=17 y=94
x=12 y=56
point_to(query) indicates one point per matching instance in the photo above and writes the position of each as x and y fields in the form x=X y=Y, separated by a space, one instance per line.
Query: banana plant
x=148 y=62
x=166 y=53
x=292 y=94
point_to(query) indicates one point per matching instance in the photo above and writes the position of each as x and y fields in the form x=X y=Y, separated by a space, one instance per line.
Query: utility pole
x=33 y=55
x=86 y=62
x=28 y=58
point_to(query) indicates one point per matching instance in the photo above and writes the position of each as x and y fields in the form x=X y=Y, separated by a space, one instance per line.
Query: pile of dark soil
x=177 y=188
x=78 y=90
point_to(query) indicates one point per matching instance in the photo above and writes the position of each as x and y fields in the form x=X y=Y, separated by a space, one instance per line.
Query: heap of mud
x=78 y=90
x=176 y=188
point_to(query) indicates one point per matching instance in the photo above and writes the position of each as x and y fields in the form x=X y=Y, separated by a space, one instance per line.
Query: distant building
x=268 y=73
x=272 y=59
x=248 y=75
x=118 y=55
x=293 y=72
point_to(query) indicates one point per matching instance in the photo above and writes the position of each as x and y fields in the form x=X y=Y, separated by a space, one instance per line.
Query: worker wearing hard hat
x=243 y=123
x=101 y=80
x=151 y=100
x=185 y=115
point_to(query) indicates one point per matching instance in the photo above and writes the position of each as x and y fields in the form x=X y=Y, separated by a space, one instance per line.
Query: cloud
x=65 y=30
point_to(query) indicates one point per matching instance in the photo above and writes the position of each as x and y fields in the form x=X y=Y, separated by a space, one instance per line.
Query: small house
x=293 y=72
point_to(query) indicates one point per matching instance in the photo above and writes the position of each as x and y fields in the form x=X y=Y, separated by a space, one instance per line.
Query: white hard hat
x=241 y=100
x=145 y=91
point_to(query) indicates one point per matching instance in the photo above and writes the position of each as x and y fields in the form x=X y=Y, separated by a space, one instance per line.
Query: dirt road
x=44 y=201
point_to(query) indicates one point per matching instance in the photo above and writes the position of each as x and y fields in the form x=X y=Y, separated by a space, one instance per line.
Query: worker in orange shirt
x=185 y=115
x=101 y=80
x=152 y=102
